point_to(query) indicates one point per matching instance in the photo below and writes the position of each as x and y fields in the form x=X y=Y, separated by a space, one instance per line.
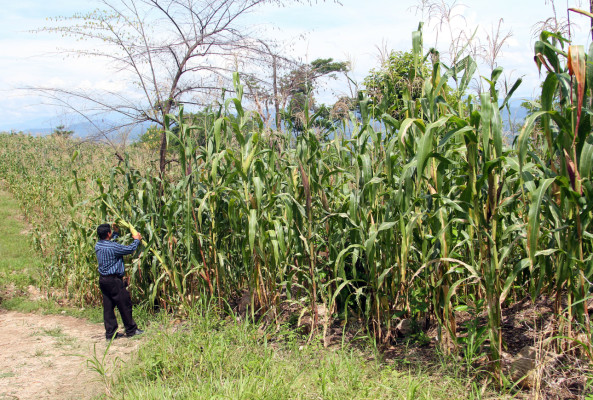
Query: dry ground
x=47 y=356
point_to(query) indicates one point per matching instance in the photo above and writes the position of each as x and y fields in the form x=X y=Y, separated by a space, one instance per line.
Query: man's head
x=104 y=231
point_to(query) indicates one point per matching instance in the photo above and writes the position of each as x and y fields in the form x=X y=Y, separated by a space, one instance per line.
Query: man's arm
x=121 y=250
x=115 y=231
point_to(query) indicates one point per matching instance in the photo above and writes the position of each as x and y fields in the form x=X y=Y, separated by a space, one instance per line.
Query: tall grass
x=210 y=358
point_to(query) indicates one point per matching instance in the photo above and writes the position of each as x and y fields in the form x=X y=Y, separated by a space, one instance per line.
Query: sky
x=352 y=30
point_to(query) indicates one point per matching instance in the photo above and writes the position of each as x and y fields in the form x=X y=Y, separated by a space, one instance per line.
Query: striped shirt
x=110 y=256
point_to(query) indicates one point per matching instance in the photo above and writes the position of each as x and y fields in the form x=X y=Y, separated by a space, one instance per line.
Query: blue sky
x=352 y=31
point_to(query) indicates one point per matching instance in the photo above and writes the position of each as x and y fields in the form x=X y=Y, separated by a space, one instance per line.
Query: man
x=111 y=270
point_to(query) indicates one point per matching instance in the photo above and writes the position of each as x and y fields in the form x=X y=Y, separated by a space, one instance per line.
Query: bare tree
x=280 y=81
x=264 y=83
x=172 y=51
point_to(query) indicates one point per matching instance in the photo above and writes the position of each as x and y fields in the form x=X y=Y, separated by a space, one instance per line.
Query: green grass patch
x=210 y=358
x=40 y=353
x=53 y=332
x=51 y=306
x=19 y=265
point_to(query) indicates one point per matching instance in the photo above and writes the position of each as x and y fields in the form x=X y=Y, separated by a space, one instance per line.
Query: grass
x=24 y=304
x=18 y=263
x=54 y=332
x=40 y=353
x=51 y=306
x=210 y=358
x=67 y=342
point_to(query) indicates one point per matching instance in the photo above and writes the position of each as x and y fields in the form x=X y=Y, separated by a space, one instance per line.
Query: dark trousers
x=116 y=295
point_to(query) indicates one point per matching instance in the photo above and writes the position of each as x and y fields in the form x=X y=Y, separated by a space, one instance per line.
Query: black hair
x=103 y=231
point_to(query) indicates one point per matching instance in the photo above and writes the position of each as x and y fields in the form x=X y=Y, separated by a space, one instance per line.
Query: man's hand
x=137 y=236
x=115 y=228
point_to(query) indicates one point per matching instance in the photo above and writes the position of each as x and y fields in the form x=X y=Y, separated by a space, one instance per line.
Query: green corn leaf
x=407 y=124
x=367 y=171
x=514 y=87
x=590 y=68
x=280 y=236
x=202 y=207
x=252 y=229
x=586 y=159
x=382 y=277
x=339 y=265
x=486 y=117
x=533 y=217
x=523 y=140
x=248 y=160
x=511 y=278
x=275 y=246
x=217 y=133
x=259 y=189
x=548 y=92
x=386 y=226
x=469 y=67
x=369 y=244
x=426 y=144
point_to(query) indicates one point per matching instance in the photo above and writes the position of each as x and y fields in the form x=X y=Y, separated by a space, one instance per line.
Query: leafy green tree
x=300 y=85
x=394 y=83
x=200 y=124
x=398 y=83
x=151 y=138
x=61 y=131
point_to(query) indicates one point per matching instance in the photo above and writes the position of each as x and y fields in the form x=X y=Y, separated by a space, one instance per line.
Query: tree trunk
x=276 y=101
x=163 y=154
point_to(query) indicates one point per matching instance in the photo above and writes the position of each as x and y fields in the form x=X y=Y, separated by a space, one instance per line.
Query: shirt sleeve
x=121 y=250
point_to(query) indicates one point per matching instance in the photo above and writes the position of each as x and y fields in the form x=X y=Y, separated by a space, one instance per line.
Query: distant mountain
x=81 y=129
x=517 y=114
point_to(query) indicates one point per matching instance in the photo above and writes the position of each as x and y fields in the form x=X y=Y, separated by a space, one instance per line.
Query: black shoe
x=116 y=336
x=135 y=333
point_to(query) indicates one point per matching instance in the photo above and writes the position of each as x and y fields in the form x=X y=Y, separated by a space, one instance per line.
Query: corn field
x=376 y=218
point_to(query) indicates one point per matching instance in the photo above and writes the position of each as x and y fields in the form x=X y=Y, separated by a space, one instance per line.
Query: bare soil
x=50 y=356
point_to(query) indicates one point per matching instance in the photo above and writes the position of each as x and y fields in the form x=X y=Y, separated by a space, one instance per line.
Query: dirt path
x=46 y=356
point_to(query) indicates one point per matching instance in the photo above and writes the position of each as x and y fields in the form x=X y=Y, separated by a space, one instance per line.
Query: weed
x=475 y=333
x=66 y=341
x=53 y=332
x=40 y=353
x=98 y=364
